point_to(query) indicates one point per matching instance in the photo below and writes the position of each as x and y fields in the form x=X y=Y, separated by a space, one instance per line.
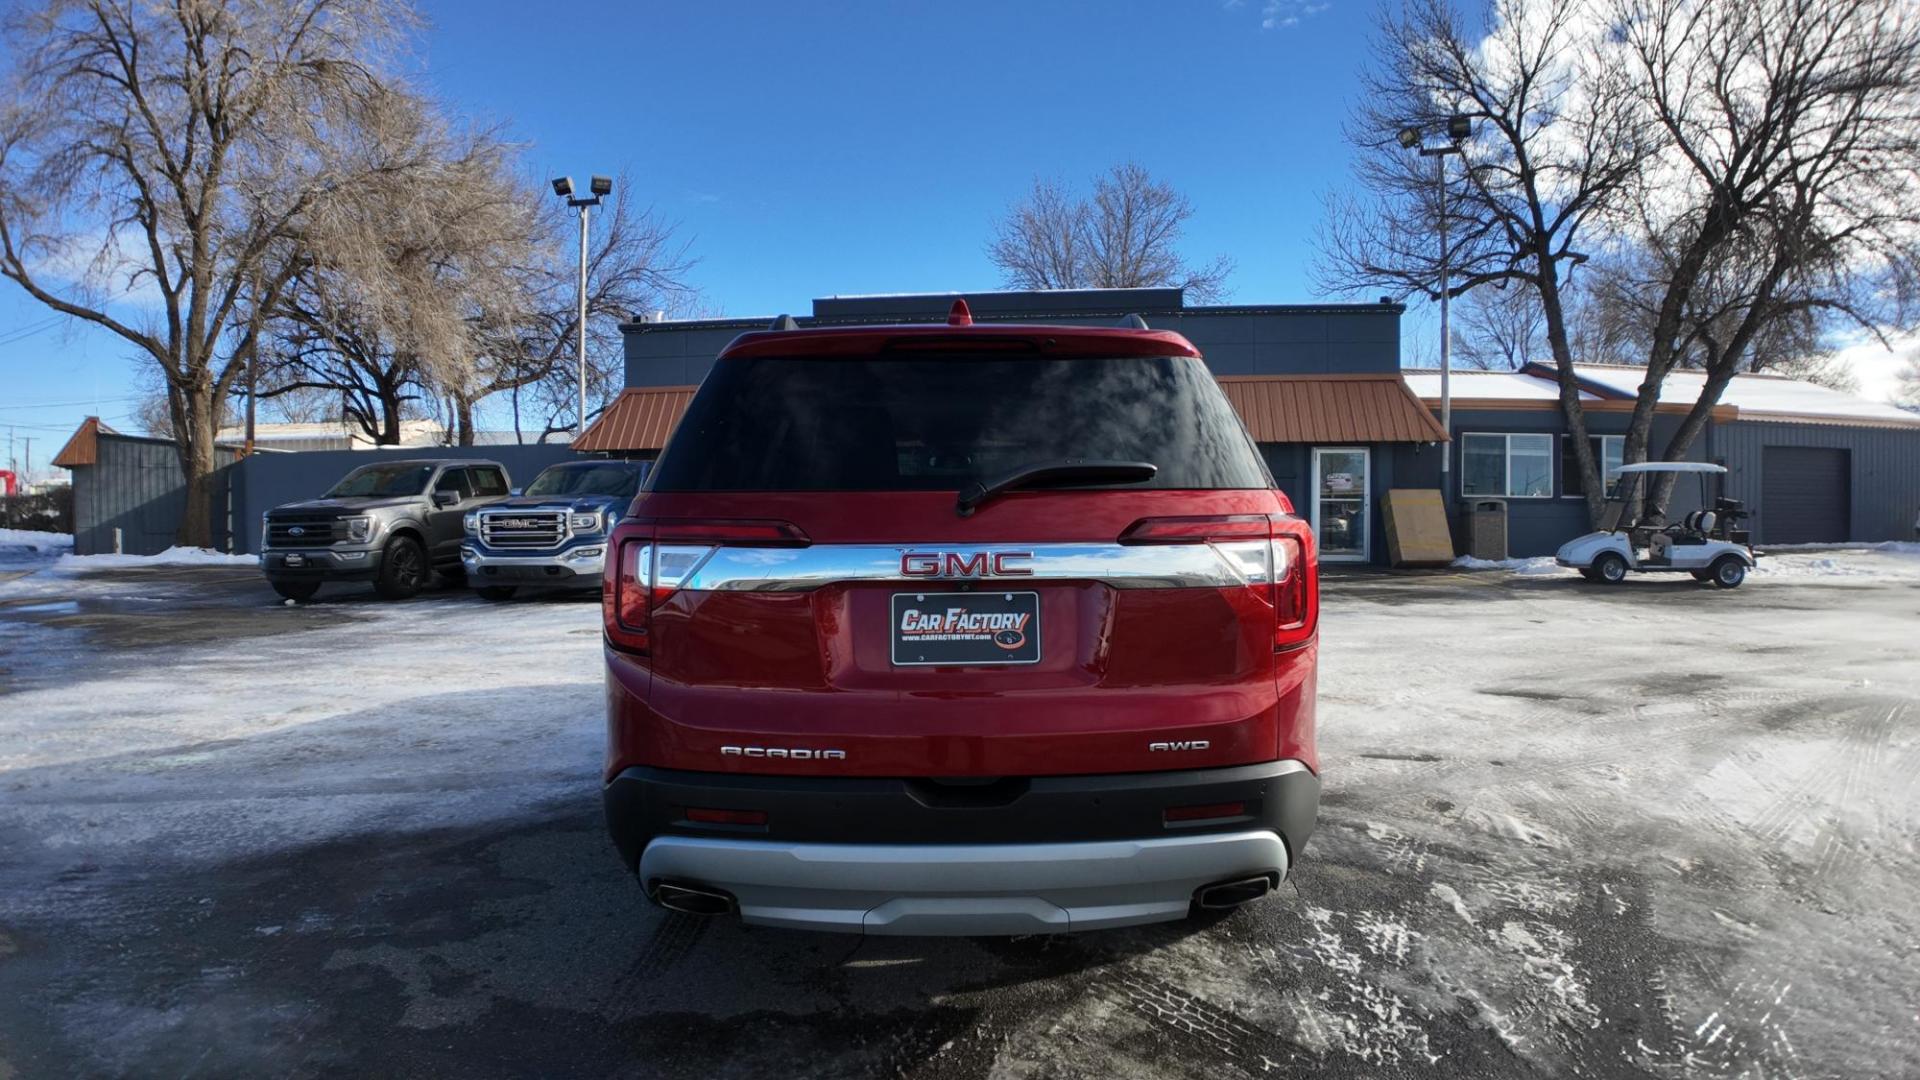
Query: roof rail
x=1133 y=322
x=783 y=322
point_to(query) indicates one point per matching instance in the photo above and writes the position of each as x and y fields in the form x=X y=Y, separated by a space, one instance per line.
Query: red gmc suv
x=960 y=629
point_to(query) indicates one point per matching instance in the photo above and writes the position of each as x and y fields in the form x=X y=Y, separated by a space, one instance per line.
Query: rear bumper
x=1020 y=855
x=924 y=889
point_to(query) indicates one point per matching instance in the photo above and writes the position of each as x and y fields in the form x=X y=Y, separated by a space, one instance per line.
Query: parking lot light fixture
x=1458 y=129
x=601 y=187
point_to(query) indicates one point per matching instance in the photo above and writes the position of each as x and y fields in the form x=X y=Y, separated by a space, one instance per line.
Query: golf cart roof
x=1673 y=466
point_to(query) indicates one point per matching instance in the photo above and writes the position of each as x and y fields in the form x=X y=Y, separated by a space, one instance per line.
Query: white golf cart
x=1704 y=543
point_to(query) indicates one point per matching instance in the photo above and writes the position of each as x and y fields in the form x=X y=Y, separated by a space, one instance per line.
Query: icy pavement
x=1652 y=830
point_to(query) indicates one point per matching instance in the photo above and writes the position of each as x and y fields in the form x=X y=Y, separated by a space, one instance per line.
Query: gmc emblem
x=952 y=564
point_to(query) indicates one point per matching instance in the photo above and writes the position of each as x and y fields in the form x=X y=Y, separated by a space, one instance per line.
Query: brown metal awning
x=1330 y=409
x=1275 y=408
x=641 y=418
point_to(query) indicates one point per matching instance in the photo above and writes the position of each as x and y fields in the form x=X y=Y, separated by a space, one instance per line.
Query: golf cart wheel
x=296 y=590
x=403 y=569
x=1729 y=572
x=495 y=592
x=1609 y=568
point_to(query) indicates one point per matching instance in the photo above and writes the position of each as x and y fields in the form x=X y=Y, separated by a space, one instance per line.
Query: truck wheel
x=296 y=590
x=403 y=569
x=495 y=592
x=1729 y=572
x=1609 y=568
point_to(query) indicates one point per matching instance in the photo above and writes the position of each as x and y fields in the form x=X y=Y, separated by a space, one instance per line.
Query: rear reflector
x=712 y=816
x=1207 y=812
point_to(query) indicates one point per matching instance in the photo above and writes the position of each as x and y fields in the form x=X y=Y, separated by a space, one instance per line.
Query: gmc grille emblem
x=786 y=753
x=953 y=564
x=1183 y=744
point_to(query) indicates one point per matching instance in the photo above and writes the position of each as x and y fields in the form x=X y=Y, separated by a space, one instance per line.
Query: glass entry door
x=1342 y=502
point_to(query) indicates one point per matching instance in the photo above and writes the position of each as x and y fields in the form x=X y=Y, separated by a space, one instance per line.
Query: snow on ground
x=1651 y=829
x=1538 y=565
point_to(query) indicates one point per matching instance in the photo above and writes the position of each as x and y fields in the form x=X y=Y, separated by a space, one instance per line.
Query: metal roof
x=1330 y=409
x=1275 y=408
x=641 y=418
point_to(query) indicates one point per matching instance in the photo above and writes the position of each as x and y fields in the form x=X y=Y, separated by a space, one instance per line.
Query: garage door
x=1804 y=496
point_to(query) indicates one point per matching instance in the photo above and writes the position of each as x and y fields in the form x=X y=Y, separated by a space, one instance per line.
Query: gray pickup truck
x=554 y=534
x=394 y=523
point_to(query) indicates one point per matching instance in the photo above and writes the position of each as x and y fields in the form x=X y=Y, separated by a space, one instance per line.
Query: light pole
x=600 y=186
x=1459 y=129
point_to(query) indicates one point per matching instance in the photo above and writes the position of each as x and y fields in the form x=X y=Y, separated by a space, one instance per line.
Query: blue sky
x=808 y=150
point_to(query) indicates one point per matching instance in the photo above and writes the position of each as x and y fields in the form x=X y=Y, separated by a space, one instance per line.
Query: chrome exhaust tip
x=693 y=899
x=1231 y=894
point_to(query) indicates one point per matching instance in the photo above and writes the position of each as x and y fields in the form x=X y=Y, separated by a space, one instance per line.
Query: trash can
x=1487 y=529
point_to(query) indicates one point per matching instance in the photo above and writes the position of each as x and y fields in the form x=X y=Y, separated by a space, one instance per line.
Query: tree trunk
x=1690 y=429
x=389 y=417
x=1576 y=415
x=463 y=420
x=195 y=447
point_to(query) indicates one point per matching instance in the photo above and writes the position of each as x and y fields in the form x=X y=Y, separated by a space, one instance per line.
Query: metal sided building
x=1811 y=464
x=1318 y=386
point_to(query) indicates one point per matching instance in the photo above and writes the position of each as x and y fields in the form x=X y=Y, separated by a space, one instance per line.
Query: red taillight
x=1296 y=586
x=1197 y=530
x=707 y=815
x=1208 y=812
x=1274 y=555
x=624 y=590
x=649 y=559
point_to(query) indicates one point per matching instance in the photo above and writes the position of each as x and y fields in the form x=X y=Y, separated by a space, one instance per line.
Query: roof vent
x=959 y=314
x=1134 y=322
x=784 y=322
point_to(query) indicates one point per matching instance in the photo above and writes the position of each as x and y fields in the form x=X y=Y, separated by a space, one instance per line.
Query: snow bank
x=1890 y=547
x=173 y=556
x=34 y=541
x=1539 y=564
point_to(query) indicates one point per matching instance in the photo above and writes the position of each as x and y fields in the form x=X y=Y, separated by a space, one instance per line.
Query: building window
x=1610 y=450
x=1511 y=466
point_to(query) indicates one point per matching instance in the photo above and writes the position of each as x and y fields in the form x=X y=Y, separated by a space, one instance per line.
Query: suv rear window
x=938 y=422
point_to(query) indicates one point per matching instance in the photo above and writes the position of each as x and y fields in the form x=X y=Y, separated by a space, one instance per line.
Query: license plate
x=966 y=628
x=295 y=560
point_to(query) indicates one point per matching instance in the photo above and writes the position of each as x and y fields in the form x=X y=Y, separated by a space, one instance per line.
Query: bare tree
x=392 y=275
x=1555 y=150
x=1125 y=235
x=1499 y=329
x=525 y=349
x=1789 y=198
x=170 y=147
x=1906 y=393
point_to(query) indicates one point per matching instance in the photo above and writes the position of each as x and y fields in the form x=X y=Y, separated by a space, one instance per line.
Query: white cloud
x=1878 y=367
x=1282 y=14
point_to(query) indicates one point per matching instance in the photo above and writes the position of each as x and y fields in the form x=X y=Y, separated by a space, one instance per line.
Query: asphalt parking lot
x=1655 y=830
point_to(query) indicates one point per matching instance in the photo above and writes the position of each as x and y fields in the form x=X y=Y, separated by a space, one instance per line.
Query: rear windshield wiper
x=1063 y=472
